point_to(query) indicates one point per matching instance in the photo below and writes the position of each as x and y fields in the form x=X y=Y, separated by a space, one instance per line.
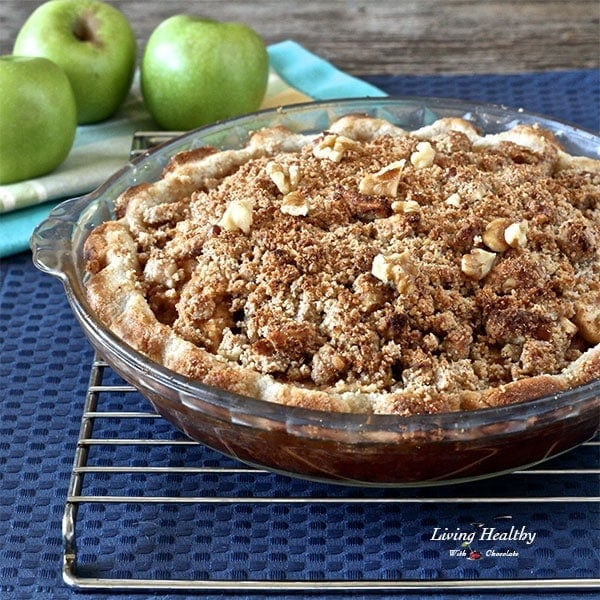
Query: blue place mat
x=44 y=371
x=571 y=96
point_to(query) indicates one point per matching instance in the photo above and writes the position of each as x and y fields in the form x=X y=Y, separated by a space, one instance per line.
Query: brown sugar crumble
x=365 y=269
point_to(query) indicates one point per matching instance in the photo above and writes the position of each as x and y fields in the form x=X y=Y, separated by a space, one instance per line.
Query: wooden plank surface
x=392 y=37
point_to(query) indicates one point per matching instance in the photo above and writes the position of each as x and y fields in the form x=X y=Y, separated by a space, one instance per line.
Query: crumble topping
x=366 y=268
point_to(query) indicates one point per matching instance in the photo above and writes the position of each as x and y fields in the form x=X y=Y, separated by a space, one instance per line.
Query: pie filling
x=363 y=269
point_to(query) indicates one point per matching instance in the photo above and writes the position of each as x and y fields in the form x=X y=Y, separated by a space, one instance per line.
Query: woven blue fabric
x=44 y=371
x=570 y=96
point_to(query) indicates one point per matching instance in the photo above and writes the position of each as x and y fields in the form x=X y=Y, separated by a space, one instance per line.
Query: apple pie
x=363 y=269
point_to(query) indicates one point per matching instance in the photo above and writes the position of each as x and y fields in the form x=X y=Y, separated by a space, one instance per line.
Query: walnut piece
x=406 y=206
x=509 y=284
x=493 y=236
x=515 y=234
x=384 y=182
x=423 y=156
x=295 y=204
x=587 y=317
x=333 y=147
x=453 y=200
x=285 y=177
x=237 y=216
x=478 y=263
x=395 y=269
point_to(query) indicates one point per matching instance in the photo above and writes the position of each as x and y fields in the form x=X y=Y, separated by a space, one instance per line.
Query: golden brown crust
x=366 y=269
x=522 y=390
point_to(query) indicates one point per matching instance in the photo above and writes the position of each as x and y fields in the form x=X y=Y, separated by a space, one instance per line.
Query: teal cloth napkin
x=99 y=150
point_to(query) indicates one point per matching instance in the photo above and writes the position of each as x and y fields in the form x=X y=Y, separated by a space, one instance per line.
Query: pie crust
x=363 y=269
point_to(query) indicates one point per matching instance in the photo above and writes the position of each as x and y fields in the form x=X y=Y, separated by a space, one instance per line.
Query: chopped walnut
x=285 y=177
x=515 y=234
x=423 y=156
x=381 y=268
x=509 y=284
x=295 y=204
x=384 y=182
x=493 y=236
x=238 y=215
x=587 y=317
x=406 y=206
x=395 y=269
x=333 y=147
x=453 y=200
x=478 y=263
x=568 y=326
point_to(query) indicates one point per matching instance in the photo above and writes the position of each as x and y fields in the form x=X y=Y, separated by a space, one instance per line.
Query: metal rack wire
x=156 y=480
x=104 y=388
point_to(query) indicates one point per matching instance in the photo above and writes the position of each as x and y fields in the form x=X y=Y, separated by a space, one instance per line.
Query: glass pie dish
x=345 y=448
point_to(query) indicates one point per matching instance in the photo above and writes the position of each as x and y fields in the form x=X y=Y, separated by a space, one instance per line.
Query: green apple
x=93 y=43
x=38 y=117
x=196 y=71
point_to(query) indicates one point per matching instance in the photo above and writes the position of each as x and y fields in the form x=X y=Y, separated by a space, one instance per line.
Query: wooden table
x=392 y=36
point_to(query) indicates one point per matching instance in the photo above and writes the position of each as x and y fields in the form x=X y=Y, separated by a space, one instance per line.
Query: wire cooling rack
x=149 y=509
x=162 y=478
